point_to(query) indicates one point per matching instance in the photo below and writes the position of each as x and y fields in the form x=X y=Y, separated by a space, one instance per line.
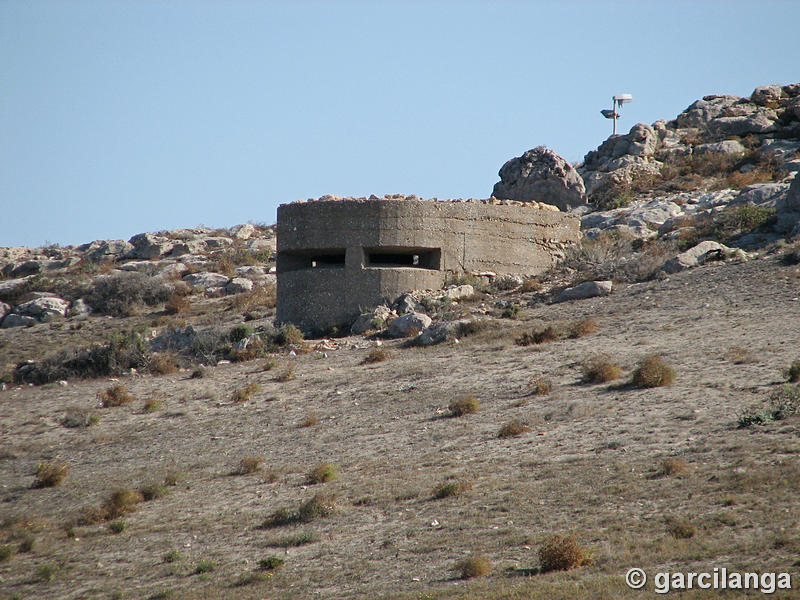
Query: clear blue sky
x=121 y=117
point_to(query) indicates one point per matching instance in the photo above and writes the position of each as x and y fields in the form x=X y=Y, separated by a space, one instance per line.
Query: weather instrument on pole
x=616 y=103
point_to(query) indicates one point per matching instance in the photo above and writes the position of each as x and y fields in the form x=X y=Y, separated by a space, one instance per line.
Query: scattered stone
x=727 y=147
x=242 y=232
x=409 y=324
x=459 y=291
x=206 y=279
x=79 y=308
x=147 y=245
x=541 y=175
x=698 y=255
x=43 y=309
x=440 y=332
x=407 y=303
x=107 y=250
x=238 y=285
x=15 y=320
x=372 y=321
x=587 y=289
x=217 y=242
x=507 y=281
x=766 y=195
x=4 y=310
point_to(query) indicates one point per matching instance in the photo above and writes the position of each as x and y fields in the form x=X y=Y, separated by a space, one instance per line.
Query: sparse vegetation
x=152 y=405
x=271 y=563
x=244 y=394
x=674 y=466
x=121 y=502
x=310 y=420
x=117 y=526
x=652 y=372
x=289 y=335
x=204 y=565
x=177 y=304
x=781 y=404
x=582 y=327
x=249 y=464
x=681 y=529
x=475 y=566
x=116 y=395
x=376 y=355
x=466 y=405
x=600 y=369
x=793 y=372
x=163 y=363
x=321 y=505
x=50 y=474
x=300 y=539
x=286 y=373
x=540 y=386
x=323 y=473
x=513 y=429
x=561 y=553
x=452 y=488
x=153 y=490
x=6 y=552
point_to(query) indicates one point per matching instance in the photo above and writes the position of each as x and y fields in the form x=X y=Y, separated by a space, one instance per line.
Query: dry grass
x=152 y=405
x=681 y=529
x=540 y=336
x=163 y=363
x=178 y=304
x=122 y=501
x=600 y=369
x=475 y=566
x=323 y=473
x=50 y=474
x=582 y=327
x=321 y=505
x=244 y=394
x=116 y=395
x=652 y=372
x=513 y=429
x=286 y=373
x=452 y=489
x=540 y=386
x=674 y=466
x=561 y=553
x=376 y=355
x=793 y=372
x=249 y=464
x=261 y=296
x=466 y=405
x=309 y=420
x=739 y=356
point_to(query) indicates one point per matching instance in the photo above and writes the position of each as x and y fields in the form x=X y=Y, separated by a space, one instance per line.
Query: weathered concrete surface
x=337 y=258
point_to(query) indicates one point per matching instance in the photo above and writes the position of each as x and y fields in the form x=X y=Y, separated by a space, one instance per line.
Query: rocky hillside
x=723 y=167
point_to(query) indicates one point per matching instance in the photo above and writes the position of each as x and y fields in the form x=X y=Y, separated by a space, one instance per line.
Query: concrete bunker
x=339 y=257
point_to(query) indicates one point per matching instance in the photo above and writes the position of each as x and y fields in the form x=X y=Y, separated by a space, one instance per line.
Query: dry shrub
x=79 y=417
x=452 y=488
x=225 y=264
x=793 y=372
x=738 y=355
x=116 y=395
x=50 y=474
x=582 y=327
x=600 y=369
x=513 y=429
x=287 y=373
x=289 y=335
x=541 y=336
x=681 y=529
x=323 y=473
x=249 y=464
x=540 y=386
x=321 y=505
x=152 y=405
x=475 y=566
x=561 y=553
x=261 y=296
x=674 y=466
x=123 y=294
x=153 y=490
x=310 y=420
x=122 y=502
x=467 y=405
x=376 y=355
x=163 y=363
x=652 y=372
x=177 y=304
x=531 y=285
x=244 y=394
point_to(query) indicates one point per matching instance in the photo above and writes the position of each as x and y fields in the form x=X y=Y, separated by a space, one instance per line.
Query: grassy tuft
x=466 y=405
x=376 y=355
x=475 y=566
x=116 y=395
x=561 y=553
x=323 y=473
x=513 y=429
x=600 y=369
x=452 y=489
x=674 y=466
x=540 y=386
x=244 y=394
x=652 y=372
x=50 y=474
x=249 y=464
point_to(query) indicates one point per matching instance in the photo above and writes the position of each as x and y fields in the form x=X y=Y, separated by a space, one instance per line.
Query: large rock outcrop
x=541 y=175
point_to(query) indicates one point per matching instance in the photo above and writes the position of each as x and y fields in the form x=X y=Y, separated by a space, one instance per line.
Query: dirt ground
x=590 y=466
